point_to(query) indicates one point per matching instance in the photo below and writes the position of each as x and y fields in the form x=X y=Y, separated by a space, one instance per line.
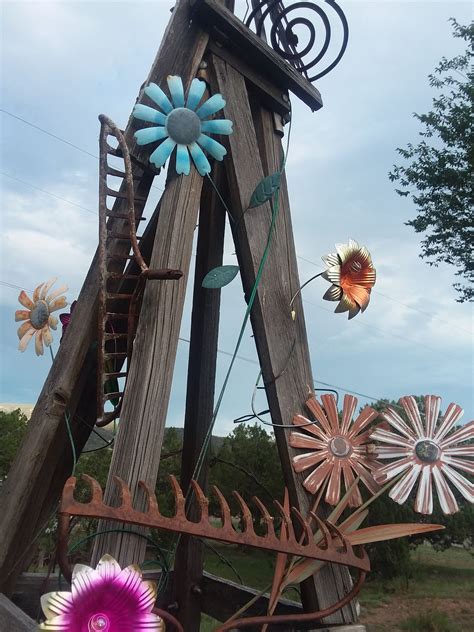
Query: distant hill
x=26 y=409
x=95 y=442
x=216 y=442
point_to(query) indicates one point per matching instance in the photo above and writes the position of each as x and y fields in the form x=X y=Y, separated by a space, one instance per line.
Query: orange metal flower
x=428 y=451
x=337 y=447
x=352 y=274
x=38 y=315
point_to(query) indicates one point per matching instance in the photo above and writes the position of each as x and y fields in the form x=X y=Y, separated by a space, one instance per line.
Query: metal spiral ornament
x=282 y=22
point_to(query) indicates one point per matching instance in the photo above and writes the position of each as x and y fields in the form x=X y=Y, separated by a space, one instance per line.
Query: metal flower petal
x=105 y=598
x=426 y=451
x=352 y=274
x=180 y=123
x=37 y=318
x=338 y=448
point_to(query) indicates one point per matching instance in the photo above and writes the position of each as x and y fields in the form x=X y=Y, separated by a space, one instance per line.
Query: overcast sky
x=64 y=63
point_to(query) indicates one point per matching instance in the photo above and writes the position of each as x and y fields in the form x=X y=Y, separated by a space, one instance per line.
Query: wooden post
x=281 y=342
x=142 y=421
x=25 y=496
x=187 y=579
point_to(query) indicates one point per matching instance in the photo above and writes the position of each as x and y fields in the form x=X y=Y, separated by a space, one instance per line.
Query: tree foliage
x=439 y=175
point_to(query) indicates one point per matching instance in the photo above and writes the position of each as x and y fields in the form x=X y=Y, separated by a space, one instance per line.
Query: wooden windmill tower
x=203 y=39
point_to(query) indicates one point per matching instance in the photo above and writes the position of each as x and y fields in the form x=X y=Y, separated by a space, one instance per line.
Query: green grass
x=445 y=575
x=434 y=621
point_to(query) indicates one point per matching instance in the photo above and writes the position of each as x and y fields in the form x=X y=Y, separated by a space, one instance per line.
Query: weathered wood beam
x=138 y=444
x=281 y=342
x=188 y=566
x=220 y=598
x=14 y=619
x=230 y=32
x=44 y=459
x=25 y=495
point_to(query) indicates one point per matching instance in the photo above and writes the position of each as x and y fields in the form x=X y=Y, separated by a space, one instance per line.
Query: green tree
x=439 y=175
x=13 y=429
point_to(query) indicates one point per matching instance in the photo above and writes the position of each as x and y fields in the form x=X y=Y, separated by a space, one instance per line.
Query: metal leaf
x=219 y=277
x=265 y=190
x=307 y=567
x=383 y=532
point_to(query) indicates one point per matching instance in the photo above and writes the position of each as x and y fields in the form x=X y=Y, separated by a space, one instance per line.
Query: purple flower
x=66 y=318
x=107 y=599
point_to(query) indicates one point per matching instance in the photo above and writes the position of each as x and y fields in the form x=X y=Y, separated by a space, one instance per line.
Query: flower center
x=99 y=623
x=427 y=451
x=339 y=446
x=39 y=315
x=183 y=126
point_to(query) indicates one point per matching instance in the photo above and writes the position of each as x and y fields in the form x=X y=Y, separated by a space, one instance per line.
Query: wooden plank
x=281 y=342
x=189 y=559
x=229 y=31
x=137 y=448
x=14 y=619
x=25 y=495
x=272 y=97
x=220 y=597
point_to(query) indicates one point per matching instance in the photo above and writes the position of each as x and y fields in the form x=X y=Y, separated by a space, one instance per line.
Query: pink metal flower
x=66 y=319
x=428 y=451
x=106 y=599
x=337 y=447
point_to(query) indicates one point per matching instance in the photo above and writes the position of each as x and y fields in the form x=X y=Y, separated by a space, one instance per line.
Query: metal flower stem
x=304 y=285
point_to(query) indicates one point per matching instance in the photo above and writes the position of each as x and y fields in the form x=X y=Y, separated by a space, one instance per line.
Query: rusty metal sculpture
x=333 y=546
x=115 y=341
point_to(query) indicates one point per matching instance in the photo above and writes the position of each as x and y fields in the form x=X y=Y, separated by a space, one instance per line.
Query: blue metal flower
x=181 y=125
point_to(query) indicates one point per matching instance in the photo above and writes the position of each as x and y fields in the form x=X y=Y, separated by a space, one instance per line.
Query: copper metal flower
x=38 y=315
x=427 y=451
x=352 y=274
x=336 y=447
x=105 y=599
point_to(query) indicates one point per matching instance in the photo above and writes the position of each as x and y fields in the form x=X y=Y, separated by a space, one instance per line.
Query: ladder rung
x=115 y=172
x=116 y=354
x=123 y=196
x=110 y=213
x=117 y=275
x=112 y=395
x=120 y=257
x=114 y=336
x=124 y=236
x=115 y=315
x=118 y=374
x=117 y=295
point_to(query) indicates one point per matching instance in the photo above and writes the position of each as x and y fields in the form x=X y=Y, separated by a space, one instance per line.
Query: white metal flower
x=427 y=451
x=38 y=317
x=179 y=124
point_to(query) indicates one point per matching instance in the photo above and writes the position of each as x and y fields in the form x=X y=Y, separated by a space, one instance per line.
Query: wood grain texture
x=13 y=619
x=142 y=421
x=220 y=597
x=187 y=580
x=44 y=459
x=281 y=342
x=238 y=38
x=26 y=496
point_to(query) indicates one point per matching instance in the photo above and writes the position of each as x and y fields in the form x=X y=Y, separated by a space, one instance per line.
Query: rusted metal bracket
x=114 y=347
